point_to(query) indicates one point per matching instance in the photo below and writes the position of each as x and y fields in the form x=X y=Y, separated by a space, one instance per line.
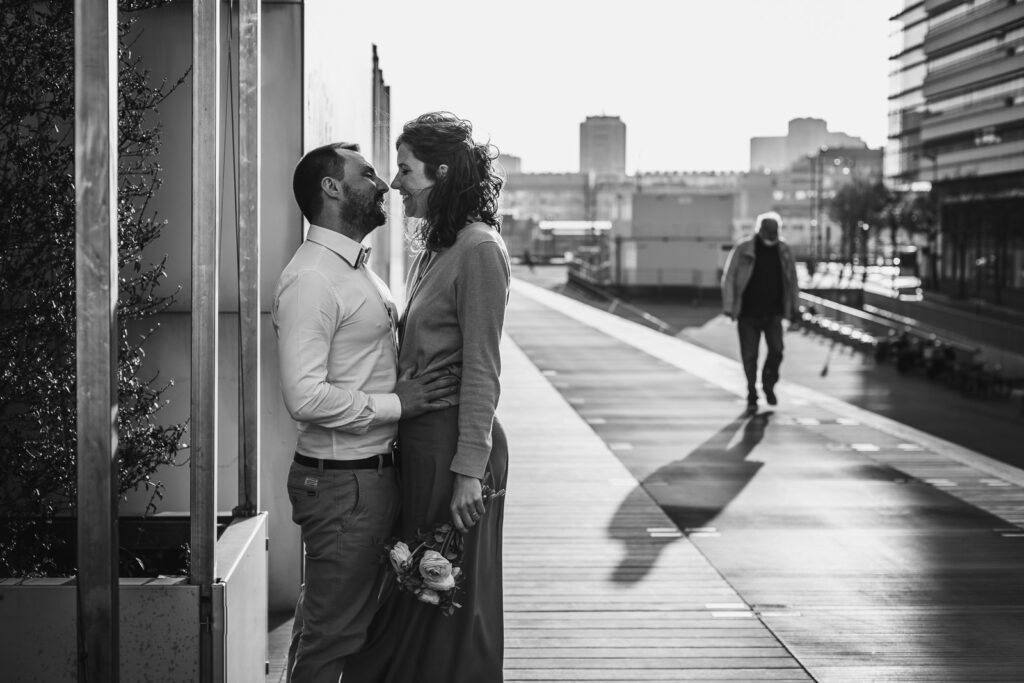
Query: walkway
x=656 y=533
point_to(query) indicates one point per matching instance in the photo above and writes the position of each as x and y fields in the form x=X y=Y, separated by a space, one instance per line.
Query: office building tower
x=956 y=120
x=603 y=146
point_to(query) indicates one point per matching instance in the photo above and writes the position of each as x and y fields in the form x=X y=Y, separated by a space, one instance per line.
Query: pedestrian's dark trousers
x=750 y=330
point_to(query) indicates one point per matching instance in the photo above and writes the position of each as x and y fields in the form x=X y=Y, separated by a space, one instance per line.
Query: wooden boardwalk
x=872 y=551
x=653 y=533
x=600 y=585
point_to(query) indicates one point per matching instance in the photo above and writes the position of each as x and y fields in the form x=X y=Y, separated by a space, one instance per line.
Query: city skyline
x=691 y=96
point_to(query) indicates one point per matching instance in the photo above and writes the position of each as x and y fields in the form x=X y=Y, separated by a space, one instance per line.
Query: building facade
x=802 y=192
x=510 y=163
x=545 y=196
x=676 y=240
x=804 y=136
x=956 y=120
x=603 y=145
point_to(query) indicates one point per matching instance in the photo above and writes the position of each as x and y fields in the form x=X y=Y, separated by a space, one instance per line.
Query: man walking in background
x=759 y=289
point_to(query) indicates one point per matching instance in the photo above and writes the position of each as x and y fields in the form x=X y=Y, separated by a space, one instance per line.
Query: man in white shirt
x=337 y=347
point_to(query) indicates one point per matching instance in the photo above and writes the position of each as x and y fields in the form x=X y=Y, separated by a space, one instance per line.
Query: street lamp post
x=865 y=233
x=812 y=223
x=824 y=245
x=935 y=231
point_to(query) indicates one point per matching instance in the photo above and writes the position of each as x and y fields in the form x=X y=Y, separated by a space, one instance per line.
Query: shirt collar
x=353 y=253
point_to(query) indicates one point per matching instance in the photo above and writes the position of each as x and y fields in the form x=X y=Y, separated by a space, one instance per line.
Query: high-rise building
x=956 y=119
x=603 y=145
x=510 y=163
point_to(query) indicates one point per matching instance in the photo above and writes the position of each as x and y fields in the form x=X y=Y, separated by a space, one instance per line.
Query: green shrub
x=37 y=278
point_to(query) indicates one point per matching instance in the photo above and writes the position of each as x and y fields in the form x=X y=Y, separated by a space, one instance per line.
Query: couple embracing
x=358 y=379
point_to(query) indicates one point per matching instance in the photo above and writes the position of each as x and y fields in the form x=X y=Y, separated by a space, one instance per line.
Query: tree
x=861 y=202
x=37 y=277
x=915 y=212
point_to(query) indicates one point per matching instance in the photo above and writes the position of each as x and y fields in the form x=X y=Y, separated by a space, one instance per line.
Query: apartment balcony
x=934 y=5
x=987 y=160
x=964 y=75
x=980 y=21
x=956 y=123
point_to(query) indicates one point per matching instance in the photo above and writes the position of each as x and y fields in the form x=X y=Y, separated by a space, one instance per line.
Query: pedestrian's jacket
x=739 y=266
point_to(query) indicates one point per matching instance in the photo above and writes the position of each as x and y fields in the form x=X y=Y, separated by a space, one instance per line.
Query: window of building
x=1007 y=89
x=963 y=55
x=987 y=136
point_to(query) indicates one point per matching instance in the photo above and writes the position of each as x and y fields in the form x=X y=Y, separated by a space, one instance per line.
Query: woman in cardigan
x=456 y=296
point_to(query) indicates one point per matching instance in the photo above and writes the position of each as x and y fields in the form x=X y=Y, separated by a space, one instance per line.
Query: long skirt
x=413 y=642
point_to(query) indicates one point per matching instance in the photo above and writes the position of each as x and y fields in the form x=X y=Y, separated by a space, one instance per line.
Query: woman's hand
x=467 y=502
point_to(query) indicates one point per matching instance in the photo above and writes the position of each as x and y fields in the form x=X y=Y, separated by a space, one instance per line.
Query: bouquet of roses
x=430 y=565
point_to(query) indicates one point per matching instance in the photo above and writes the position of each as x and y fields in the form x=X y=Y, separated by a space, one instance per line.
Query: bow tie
x=364 y=256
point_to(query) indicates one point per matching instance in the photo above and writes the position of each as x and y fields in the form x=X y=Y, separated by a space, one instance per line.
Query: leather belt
x=371 y=463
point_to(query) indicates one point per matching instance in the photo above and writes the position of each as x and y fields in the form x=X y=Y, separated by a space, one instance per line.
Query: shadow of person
x=692 y=491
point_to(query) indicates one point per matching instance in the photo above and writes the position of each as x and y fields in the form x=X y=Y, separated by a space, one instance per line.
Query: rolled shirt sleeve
x=481 y=292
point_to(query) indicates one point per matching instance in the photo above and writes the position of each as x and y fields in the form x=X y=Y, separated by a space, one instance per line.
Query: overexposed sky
x=693 y=80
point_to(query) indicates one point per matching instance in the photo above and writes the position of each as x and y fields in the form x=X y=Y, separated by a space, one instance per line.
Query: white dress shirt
x=338 y=350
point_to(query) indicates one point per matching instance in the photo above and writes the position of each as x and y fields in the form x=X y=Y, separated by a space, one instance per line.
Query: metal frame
x=205 y=309
x=96 y=340
x=249 y=124
x=97 y=326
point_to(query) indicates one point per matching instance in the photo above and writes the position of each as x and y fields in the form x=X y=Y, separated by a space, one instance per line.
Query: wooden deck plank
x=643 y=675
x=592 y=595
x=868 y=561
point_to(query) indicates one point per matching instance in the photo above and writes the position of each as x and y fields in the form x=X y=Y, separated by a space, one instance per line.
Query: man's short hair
x=769 y=219
x=315 y=165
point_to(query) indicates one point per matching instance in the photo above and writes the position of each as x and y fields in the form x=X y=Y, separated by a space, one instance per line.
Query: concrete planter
x=159 y=620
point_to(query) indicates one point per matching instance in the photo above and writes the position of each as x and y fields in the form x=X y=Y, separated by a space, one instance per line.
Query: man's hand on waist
x=425 y=393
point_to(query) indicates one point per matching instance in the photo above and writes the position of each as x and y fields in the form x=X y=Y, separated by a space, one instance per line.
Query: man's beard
x=364 y=212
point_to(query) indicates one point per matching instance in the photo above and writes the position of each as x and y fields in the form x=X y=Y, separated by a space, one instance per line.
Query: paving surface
x=655 y=531
x=993 y=427
x=871 y=551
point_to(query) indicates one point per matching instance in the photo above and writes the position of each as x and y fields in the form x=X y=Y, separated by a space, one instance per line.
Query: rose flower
x=400 y=556
x=436 y=571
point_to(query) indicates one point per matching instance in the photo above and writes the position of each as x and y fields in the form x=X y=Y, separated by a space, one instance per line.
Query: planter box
x=159 y=620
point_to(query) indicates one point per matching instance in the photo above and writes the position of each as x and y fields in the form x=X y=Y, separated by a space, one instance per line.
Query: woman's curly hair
x=468 y=192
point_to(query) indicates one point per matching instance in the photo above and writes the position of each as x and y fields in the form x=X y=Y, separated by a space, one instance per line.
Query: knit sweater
x=453 y=319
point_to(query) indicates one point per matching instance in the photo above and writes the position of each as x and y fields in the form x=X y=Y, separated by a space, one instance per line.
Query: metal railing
x=912 y=347
x=613 y=304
